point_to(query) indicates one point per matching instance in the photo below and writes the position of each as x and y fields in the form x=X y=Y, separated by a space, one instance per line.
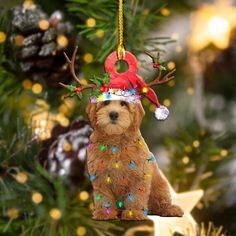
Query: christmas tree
x=44 y=185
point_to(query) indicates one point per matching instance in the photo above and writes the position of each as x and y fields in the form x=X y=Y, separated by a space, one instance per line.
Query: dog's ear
x=138 y=114
x=91 y=112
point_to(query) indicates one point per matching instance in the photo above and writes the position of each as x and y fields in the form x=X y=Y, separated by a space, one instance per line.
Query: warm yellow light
x=67 y=147
x=146 y=11
x=117 y=165
x=224 y=152
x=91 y=22
x=84 y=195
x=3 y=37
x=91 y=206
x=188 y=149
x=88 y=58
x=185 y=160
x=62 y=41
x=196 y=143
x=148 y=174
x=100 y=33
x=171 y=83
x=219 y=31
x=130 y=213
x=37 y=88
x=218 y=26
x=100 y=98
x=212 y=24
x=43 y=24
x=152 y=108
x=37 y=198
x=167 y=102
x=13 y=213
x=171 y=65
x=64 y=121
x=55 y=214
x=19 y=40
x=21 y=177
x=108 y=180
x=81 y=231
x=84 y=81
x=27 y=84
x=28 y=4
x=190 y=91
x=63 y=109
x=146 y=101
x=165 y=11
x=145 y=90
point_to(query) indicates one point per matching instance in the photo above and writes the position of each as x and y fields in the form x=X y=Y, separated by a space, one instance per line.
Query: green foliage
x=195 y=158
x=141 y=17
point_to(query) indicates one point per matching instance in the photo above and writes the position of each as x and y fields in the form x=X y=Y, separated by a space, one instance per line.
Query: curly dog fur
x=127 y=171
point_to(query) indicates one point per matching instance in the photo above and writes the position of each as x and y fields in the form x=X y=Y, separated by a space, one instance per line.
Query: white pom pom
x=161 y=113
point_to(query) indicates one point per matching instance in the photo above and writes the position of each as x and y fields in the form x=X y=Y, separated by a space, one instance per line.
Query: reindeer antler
x=160 y=80
x=71 y=63
x=169 y=76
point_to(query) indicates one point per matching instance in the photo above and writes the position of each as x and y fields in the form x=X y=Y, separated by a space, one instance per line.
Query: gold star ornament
x=186 y=225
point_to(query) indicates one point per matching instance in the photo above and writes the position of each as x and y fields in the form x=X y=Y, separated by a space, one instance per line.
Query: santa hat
x=128 y=86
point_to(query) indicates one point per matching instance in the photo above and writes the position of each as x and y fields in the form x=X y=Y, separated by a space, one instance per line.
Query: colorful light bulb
x=130 y=213
x=141 y=190
x=120 y=204
x=140 y=142
x=114 y=149
x=98 y=197
x=92 y=177
x=132 y=165
x=145 y=89
x=148 y=174
x=132 y=91
x=130 y=197
x=108 y=211
x=107 y=204
x=152 y=158
x=117 y=165
x=90 y=145
x=108 y=179
x=103 y=147
x=145 y=212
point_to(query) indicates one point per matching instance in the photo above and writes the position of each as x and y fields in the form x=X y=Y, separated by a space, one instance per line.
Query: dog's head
x=115 y=117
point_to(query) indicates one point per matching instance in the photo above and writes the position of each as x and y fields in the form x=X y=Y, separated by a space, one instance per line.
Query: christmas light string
x=130 y=197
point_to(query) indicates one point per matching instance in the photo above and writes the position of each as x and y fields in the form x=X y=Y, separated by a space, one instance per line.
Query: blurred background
x=43 y=137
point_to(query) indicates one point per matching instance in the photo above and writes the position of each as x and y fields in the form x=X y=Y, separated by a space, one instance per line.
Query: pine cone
x=64 y=154
x=44 y=39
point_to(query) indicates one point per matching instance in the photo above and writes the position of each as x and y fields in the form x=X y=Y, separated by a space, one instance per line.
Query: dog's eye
x=106 y=103
x=123 y=103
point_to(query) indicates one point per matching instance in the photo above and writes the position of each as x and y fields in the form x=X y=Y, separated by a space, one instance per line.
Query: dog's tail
x=160 y=197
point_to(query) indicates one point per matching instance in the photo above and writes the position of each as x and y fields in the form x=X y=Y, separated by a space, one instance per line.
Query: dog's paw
x=168 y=210
x=133 y=214
x=104 y=214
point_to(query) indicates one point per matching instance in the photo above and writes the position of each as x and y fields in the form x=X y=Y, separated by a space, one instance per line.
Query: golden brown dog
x=124 y=173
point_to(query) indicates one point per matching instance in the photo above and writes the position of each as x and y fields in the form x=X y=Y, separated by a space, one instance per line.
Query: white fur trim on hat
x=161 y=113
x=123 y=95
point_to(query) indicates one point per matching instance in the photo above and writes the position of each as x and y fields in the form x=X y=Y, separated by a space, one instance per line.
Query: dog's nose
x=113 y=115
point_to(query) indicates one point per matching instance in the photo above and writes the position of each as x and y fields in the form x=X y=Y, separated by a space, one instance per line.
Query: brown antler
x=160 y=80
x=71 y=63
x=169 y=76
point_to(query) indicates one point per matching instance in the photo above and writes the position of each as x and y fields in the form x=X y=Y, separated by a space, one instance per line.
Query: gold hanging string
x=121 y=49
